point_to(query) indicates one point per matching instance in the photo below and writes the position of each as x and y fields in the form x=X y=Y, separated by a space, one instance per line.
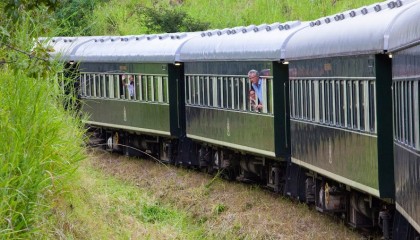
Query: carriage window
x=312 y=91
x=337 y=103
x=231 y=92
x=345 y=103
x=355 y=105
x=107 y=87
x=235 y=93
x=165 y=89
x=321 y=102
x=220 y=92
x=331 y=101
x=103 y=86
x=416 y=113
x=362 y=105
x=194 y=90
x=342 y=105
x=327 y=96
x=205 y=91
x=225 y=92
x=304 y=100
x=188 y=90
x=210 y=90
x=137 y=87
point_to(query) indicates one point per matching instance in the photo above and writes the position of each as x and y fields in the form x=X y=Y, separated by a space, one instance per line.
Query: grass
x=102 y=207
x=115 y=197
x=118 y=17
x=40 y=145
x=41 y=141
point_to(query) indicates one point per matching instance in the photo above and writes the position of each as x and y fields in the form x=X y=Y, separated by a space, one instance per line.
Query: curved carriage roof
x=360 y=31
x=406 y=29
x=62 y=47
x=159 y=48
x=263 y=42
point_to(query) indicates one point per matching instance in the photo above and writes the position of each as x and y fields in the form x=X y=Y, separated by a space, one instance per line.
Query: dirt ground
x=241 y=210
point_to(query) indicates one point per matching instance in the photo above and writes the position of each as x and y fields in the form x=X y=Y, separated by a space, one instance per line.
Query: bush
x=169 y=20
x=41 y=141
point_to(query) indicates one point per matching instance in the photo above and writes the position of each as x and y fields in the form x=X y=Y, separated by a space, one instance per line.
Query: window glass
x=235 y=92
x=312 y=100
x=321 y=102
x=188 y=90
x=139 y=94
x=304 y=100
x=355 y=105
x=362 y=105
x=372 y=106
x=107 y=94
x=204 y=91
x=331 y=102
x=165 y=89
x=220 y=91
x=210 y=92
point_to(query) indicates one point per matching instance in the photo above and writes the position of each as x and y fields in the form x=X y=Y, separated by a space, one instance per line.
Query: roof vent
x=391 y=5
x=364 y=11
x=272 y=26
x=339 y=17
x=182 y=35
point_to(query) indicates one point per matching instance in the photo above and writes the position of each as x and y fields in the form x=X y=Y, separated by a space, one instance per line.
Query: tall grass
x=120 y=17
x=40 y=140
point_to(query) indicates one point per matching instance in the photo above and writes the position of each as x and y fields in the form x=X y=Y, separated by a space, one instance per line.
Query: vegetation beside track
x=117 y=197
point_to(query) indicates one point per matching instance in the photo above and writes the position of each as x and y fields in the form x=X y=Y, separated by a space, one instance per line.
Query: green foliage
x=154 y=213
x=73 y=17
x=100 y=206
x=169 y=20
x=41 y=141
x=134 y=17
x=14 y=8
x=117 y=18
x=122 y=17
x=219 y=208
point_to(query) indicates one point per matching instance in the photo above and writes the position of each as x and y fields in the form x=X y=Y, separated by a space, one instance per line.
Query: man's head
x=253 y=76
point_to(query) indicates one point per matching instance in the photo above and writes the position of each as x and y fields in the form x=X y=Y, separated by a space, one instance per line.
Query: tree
x=169 y=20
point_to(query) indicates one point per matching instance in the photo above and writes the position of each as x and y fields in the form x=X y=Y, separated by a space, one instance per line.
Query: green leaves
x=169 y=20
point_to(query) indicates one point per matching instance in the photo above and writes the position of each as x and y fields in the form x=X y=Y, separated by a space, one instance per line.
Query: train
x=338 y=125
